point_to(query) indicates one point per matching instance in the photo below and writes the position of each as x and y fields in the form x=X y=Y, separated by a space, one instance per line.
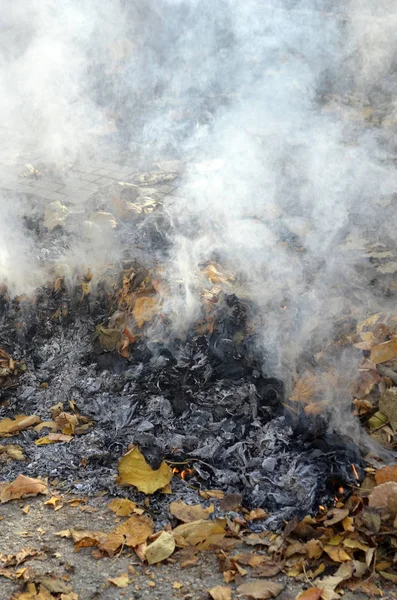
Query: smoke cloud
x=284 y=112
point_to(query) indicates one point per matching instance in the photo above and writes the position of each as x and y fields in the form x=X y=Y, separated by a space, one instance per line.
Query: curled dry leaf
x=145 y=308
x=383 y=352
x=329 y=584
x=19 y=423
x=310 y=594
x=202 y=533
x=260 y=590
x=188 y=513
x=134 y=470
x=386 y=474
x=161 y=548
x=53 y=438
x=384 y=496
x=132 y=532
x=220 y=592
x=336 y=515
x=21 y=487
x=122 y=507
x=14 y=451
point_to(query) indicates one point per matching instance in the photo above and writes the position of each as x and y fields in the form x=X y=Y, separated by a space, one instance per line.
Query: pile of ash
x=205 y=401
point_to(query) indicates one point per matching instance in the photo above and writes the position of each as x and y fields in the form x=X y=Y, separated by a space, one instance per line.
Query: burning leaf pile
x=105 y=393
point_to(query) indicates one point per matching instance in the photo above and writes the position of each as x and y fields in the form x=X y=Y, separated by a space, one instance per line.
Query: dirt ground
x=23 y=528
x=87 y=576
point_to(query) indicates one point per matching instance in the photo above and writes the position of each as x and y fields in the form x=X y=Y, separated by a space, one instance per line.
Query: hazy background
x=283 y=110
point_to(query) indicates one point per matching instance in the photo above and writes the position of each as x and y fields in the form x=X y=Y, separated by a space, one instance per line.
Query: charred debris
x=206 y=401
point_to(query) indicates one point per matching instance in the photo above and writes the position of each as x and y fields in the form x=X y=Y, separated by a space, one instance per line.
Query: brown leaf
x=161 y=548
x=132 y=532
x=145 y=308
x=314 y=549
x=313 y=593
x=337 y=515
x=256 y=514
x=122 y=507
x=21 y=487
x=337 y=553
x=388 y=406
x=383 y=352
x=19 y=423
x=260 y=590
x=218 y=494
x=188 y=513
x=202 y=533
x=267 y=569
x=13 y=450
x=384 y=496
x=230 y=502
x=134 y=470
x=220 y=592
x=330 y=583
x=389 y=576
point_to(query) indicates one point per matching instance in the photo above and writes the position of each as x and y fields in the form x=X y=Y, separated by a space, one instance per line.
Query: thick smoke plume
x=283 y=111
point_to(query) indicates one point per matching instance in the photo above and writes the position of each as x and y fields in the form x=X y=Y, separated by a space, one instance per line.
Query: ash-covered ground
x=207 y=400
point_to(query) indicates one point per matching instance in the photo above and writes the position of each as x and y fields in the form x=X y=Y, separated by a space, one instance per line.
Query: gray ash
x=206 y=399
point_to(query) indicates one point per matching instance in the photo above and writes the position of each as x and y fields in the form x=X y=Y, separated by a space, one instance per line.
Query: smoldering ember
x=197 y=287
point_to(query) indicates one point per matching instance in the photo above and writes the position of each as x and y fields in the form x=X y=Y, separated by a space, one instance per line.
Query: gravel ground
x=89 y=577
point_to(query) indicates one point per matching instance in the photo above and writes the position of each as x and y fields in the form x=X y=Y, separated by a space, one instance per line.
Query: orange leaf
x=310 y=594
x=383 y=352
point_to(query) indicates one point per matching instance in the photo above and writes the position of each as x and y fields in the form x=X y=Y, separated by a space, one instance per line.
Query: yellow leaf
x=13 y=451
x=202 y=533
x=177 y=585
x=220 y=592
x=132 y=532
x=53 y=501
x=383 y=352
x=121 y=581
x=134 y=470
x=145 y=308
x=122 y=507
x=21 y=422
x=161 y=548
x=21 y=487
x=337 y=553
x=188 y=513
x=53 y=438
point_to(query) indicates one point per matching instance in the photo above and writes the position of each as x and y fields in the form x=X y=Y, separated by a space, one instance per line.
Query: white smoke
x=283 y=109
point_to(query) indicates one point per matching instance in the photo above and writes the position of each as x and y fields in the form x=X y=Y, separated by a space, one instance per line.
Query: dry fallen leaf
x=310 y=594
x=202 y=533
x=122 y=507
x=383 y=352
x=188 y=513
x=21 y=487
x=260 y=590
x=220 y=592
x=122 y=581
x=53 y=438
x=134 y=470
x=161 y=548
x=330 y=583
x=386 y=474
x=132 y=532
x=19 y=423
x=336 y=515
x=384 y=496
x=145 y=308
x=14 y=451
